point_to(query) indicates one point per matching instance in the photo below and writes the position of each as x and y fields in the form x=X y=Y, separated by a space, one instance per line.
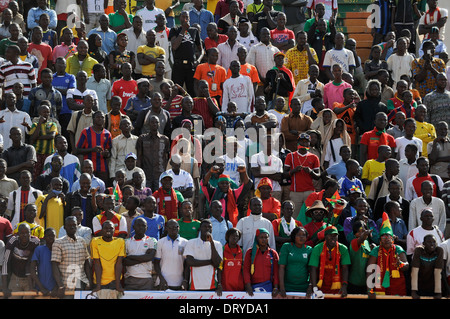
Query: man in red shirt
x=303 y=167
x=413 y=188
x=205 y=105
x=214 y=38
x=281 y=37
x=42 y=51
x=372 y=139
x=126 y=87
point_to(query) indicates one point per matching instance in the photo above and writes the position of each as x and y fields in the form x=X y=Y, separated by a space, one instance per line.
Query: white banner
x=180 y=295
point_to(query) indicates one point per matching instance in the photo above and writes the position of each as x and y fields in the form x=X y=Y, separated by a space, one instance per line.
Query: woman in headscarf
x=95 y=49
x=271 y=206
x=261 y=272
x=323 y=122
x=230 y=198
x=337 y=136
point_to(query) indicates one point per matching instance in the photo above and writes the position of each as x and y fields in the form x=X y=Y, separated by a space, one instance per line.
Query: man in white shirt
x=136 y=38
x=140 y=251
x=182 y=180
x=229 y=49
x=204 y=256
x=148 y=14
x=427 y=202
x=239 y=89
x=248 y=225
x=267 y=164
x=12 y=117
x=169 y=259
x=232 y=160
x=408 y=165
x=416 y=235
x=261 y=54
x=339 y=55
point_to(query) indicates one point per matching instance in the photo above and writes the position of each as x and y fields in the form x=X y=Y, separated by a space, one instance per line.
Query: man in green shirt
x=120 y=20
x=189 y=227
x=329 y=265
x=359 y=251
x=14 y=29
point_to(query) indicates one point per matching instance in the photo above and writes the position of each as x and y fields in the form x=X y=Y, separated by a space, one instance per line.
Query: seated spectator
x=426 y=276
x=418 y=233
x=35 y=13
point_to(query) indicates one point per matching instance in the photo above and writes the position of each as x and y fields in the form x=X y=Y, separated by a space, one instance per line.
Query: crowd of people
x=233 y=148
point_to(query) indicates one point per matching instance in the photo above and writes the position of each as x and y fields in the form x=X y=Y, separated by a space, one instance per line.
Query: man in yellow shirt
x=108 y=252
x=149 y=54
x=424 y=131
x=30 y=212
x=375 y=167
x=50 y=207
x=80 y=61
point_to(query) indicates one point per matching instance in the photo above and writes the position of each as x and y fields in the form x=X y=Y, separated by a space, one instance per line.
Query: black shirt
x=261 y=19
x=186 y=50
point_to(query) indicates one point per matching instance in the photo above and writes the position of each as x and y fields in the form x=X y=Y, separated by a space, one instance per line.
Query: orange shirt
x=248 y=70
x=115 y=121
x=270 y=205
x=214 y=74
x=347 y=116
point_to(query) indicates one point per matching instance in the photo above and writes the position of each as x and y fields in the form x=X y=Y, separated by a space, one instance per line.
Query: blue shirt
x=345 y=184
x=34 y=15
x=338 y=170
x=64 y=82
x=155 y=226
x=398 y=228
x=96 y=182
x=219 y=229
x=43 y=257
x=203 y=18
x=109 y=39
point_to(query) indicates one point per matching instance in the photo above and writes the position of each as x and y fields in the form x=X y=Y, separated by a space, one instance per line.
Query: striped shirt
x=89 y=139
x=70 y=170
x=44 y=146
x=22 y=72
